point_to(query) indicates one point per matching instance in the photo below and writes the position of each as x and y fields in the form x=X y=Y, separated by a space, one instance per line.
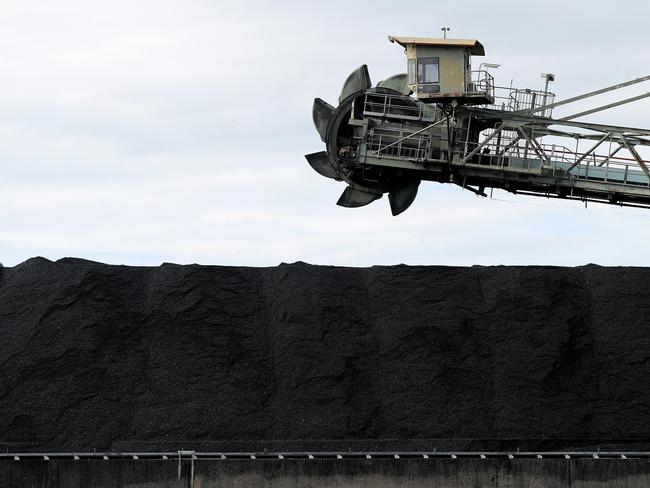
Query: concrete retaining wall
x=349 y=473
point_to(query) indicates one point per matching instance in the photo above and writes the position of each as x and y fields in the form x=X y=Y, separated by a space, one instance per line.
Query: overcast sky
x=141 y=131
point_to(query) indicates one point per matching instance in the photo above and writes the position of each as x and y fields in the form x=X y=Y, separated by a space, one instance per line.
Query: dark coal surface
x=301 y=357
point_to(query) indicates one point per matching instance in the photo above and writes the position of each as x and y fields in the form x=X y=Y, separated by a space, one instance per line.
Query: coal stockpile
x=316 y=358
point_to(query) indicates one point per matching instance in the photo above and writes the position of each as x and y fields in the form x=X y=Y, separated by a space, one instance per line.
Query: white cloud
x=141 y=132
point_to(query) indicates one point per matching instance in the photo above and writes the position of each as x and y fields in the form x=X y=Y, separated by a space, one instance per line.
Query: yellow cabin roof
x=475 y=47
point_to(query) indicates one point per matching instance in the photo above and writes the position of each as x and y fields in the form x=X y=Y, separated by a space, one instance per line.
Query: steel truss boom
x=588 y=95
x=543 y=122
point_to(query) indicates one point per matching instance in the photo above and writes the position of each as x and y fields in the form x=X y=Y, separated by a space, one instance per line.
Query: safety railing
x=558 y=159
x=515 y=99
x=480 y=82
x=397 y=107
x=397 y=143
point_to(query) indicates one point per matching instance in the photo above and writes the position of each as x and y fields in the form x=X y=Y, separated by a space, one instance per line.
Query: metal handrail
x=396 y=106
x=516 y=99
x=591 y=166
x=481 y=82
x=330 y=455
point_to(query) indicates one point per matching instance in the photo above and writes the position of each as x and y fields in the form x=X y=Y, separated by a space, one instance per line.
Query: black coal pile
x=301 y=357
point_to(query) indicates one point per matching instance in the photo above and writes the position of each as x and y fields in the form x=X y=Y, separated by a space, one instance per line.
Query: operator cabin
x=440 y=70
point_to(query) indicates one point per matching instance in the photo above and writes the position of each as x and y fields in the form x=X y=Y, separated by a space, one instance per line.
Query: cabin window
x=411 y=71
x=428 y=70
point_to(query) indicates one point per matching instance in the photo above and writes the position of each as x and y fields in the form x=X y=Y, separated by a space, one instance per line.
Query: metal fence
x=556 y=158
x=398 y=107
x=516 y=99
x=398 y=143
x=480 y=82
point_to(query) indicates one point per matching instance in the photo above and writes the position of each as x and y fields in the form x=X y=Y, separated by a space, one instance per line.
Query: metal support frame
x=543 y=122
x=584 y=156
x=192 y=456
x=482 y=145
x=612 y=154
x=512 y=144
x=376 y=153
x=590 y=94
x=536 y=147
x=591 y=137
x=638 y=158
x=618 y=134
x=597 y=175
x=541 y=150
x=606 y=107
